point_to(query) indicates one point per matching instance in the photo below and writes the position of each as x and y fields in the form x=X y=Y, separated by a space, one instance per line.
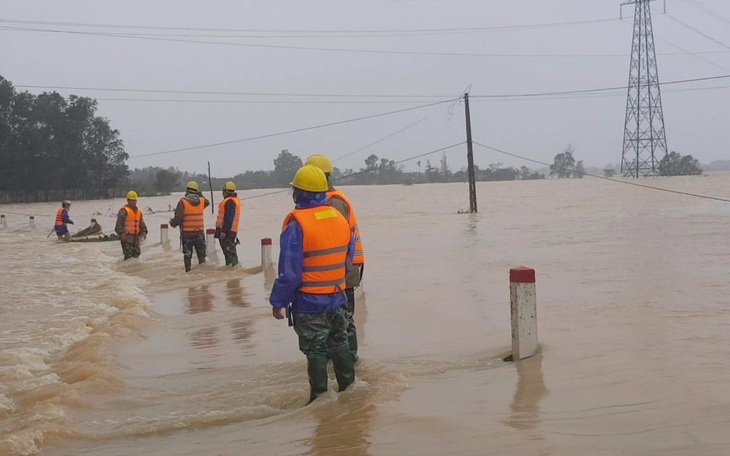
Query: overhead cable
x=298 y=130
x=618 y=181
x=302 y=31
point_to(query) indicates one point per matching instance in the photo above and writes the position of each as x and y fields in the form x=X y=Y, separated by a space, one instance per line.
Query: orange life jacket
x=59 y=217
x=193 y=219
x=222 y=211
x=326 y=237
x=359 y=253
x=132 y=222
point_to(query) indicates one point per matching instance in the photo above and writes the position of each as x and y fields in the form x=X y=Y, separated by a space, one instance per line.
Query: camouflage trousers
x=131 y=249
x=317 y=333
x=197 y=242
x=228 y=246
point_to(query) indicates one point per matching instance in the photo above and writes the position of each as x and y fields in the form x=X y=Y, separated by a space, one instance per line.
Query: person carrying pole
x=62 y=220
x=317 y=247
x=189 y=216
x=226 y=226
x=131 y=227
x=339 y=201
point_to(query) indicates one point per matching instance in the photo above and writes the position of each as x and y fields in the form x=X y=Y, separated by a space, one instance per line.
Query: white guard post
x=266 y=253
x=164 y=235
x=3 y=222
x=210 y=238
x=523 y=301
x=32 y=222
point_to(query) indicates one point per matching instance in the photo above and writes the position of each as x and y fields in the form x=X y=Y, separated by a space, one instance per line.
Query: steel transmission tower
x=645 y=141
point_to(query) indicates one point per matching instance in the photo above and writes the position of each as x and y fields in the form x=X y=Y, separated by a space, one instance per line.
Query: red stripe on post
x=522 y=275
x=266 y=241
x=210 y=231
x=32 y=218
x=164 y=225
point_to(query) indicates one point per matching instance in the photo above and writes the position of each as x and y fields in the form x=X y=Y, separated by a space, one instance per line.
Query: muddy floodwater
x=110 y=358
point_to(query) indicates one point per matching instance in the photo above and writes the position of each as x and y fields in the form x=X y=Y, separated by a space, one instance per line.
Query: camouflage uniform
x=318 y=334
x=131 y=249
x=190 y=239
x=196 y=241
x=228 y=246
x=130 y=243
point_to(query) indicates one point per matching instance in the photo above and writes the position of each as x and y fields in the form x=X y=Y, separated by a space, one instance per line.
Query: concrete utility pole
x=645 y=140
x=470 y=159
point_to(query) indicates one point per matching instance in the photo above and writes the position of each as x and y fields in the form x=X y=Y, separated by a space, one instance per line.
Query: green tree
x=675 y=164
x=286 y=166
x=609 y=172
x=580 y=170
x=371 y=162
x=167 y=179
x=564 y=163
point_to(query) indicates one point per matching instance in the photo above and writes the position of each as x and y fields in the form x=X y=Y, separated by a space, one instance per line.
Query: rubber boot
x=234 y=261
x=344 y=366
x=317 y=371
x=352 y=343
x=188 y=263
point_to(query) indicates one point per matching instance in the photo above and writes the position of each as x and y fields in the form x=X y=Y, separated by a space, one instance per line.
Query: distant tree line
x=50 y=146
x=673 y=164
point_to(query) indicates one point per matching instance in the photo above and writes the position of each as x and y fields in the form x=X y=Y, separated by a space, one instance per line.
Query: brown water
x=105 y=357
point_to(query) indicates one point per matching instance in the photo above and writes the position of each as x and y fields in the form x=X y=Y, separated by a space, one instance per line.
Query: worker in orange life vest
x=131 y=227
x=189 y=216
x=317 y=247
x=339 y=201
x=226 y=226
x=62 y=220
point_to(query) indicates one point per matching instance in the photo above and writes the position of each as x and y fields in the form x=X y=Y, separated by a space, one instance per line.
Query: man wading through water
x=226 y=227
x=191 y=220
x=130 y=227
x=317 y=247
x=339 y=201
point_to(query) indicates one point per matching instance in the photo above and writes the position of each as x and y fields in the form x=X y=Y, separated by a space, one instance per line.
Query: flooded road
x=104 y=357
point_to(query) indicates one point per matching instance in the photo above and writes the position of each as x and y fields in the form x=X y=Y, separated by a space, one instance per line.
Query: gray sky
x=696 y=120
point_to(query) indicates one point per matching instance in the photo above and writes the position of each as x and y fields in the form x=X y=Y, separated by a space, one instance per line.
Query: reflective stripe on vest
x=222 y=211
x=326 y=237
x=132 y=222
x=359 y=253
x=59 y=217
x=193 y=219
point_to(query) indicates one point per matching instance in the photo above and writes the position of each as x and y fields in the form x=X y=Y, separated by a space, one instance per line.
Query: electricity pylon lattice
x=645 y=141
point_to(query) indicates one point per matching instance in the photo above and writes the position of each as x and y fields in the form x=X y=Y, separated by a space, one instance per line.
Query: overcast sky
x=599 y=48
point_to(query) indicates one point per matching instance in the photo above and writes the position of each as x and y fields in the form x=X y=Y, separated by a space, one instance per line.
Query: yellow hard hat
x=132 y=195
x=310 y=179
x=321 y=162
x=192 y=185
x=229 y=186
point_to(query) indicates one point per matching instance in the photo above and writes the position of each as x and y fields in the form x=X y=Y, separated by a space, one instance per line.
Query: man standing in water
x=226 y=227
x=339 y=201
x=130 y=227
x=191 y=220
x=62 y=220
x=317 y=247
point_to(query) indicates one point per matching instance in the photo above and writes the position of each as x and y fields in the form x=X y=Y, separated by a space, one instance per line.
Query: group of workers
x=321 y=261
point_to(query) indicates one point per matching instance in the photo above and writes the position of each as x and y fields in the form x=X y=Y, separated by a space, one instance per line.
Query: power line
x=709 y=11
x=298 y=130
x=154 y=100
x=301 y=31
x=635 y=184
x=605 y=89
x=312 y=95
x=315 y=48
x=380 y=140
x=699 y=32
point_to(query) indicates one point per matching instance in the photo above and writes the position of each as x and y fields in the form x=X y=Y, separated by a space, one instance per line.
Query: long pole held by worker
x=210 y=186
